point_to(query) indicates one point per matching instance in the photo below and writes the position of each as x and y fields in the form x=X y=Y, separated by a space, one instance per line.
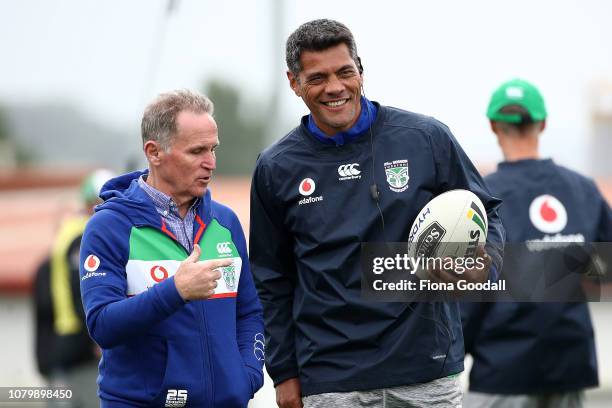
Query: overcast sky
x=441 y=58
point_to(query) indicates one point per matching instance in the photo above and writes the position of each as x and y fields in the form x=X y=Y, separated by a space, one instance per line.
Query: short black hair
x=526 y=120
x=318 y=35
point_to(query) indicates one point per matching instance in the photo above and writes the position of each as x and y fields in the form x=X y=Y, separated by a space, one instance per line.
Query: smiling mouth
x=335 y=104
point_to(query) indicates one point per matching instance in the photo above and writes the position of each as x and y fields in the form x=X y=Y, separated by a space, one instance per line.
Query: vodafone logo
x=92 y=263
x=548 y=214
x=307 y=187
x=158 y=273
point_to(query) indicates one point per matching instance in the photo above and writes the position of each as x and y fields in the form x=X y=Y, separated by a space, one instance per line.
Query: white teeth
x=336 y=103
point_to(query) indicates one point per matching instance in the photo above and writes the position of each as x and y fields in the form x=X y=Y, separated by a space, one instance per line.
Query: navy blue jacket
x=157 y=349
x=525 y=348
x=311 y=208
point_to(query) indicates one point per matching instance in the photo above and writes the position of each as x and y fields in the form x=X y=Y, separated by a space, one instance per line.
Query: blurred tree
x=241 y=128
x=11 y=151
x=4 y=128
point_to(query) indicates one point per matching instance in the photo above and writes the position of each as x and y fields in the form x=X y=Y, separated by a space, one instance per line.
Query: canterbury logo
x=259 y=347
x=347 y=170
x=224 y=248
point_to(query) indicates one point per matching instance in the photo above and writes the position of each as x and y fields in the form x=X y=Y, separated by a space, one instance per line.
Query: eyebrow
x=347 y=66
x=204 y=146
x=319 y=73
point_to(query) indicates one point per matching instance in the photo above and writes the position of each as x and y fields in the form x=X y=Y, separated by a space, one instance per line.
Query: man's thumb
x=195 y=254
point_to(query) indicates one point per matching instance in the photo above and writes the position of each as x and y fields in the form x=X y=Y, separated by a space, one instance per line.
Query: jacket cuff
x=497 y=262
x=278 y=376
x=256 y=377
x=493 y=273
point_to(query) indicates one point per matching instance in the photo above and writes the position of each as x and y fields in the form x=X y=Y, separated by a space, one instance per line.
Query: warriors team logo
x=548 y=214
x=397 y=175
x=229 y=276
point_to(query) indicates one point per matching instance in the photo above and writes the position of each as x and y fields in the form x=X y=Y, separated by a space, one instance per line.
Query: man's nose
x=210 y=161
x=334 y=85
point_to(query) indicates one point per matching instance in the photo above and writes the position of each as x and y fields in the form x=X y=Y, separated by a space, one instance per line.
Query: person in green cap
x=534 y=354
x=65 y=354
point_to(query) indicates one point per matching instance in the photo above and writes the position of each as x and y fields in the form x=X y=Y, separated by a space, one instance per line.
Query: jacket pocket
x=153 y=359
x=232 y=381
x=183 y=379
x=133 y=371
x=255 y=378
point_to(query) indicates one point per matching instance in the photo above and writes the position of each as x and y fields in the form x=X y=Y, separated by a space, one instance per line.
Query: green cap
x=516 y=92
x=91 y=186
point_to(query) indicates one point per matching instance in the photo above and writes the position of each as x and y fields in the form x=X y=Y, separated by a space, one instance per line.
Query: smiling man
x=165 y=277
x=330 y=85
x=353 y=171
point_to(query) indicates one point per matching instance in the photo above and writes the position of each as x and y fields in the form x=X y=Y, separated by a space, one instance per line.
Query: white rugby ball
x=452 y=224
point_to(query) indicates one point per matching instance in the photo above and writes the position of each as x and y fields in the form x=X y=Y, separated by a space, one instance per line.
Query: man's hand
x=197 y=279
x=471 y=275
x=289 y=394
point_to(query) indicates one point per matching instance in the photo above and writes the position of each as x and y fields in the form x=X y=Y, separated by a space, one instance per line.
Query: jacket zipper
x=203 y=324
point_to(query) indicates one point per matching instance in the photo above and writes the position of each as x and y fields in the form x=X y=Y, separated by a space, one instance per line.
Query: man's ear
x=294 y=83
x=495 y=129
x=542 y=125
x=154 y=152
x=493 y=126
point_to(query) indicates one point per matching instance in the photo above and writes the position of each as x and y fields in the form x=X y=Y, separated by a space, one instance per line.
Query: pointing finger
x=217 y=263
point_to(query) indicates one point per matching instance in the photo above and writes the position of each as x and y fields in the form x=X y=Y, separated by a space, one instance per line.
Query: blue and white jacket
x=158 y=350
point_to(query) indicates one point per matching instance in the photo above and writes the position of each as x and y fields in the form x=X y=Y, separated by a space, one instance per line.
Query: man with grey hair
x=165 y=276
x=317 y=194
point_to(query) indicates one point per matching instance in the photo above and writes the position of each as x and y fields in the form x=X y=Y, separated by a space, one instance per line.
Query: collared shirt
x=365 y=120
x=182 y=228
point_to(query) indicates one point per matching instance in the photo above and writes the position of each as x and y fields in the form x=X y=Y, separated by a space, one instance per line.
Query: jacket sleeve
x=456 y=171
x=249 y=315
x=273 y=266
x=472 y=316
x=605 y=218
x=604 y=236
x=111 y=316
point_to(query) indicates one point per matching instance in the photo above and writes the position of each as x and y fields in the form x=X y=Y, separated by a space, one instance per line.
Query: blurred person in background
x=65 y=354
x=534 y=354
x=317 y=194
x=165 y=277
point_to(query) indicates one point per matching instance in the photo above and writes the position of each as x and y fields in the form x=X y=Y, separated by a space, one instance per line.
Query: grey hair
x=318 y=35
x=159 y=118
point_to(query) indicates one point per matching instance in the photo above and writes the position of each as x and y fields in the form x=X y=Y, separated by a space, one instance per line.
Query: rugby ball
x=452 y=224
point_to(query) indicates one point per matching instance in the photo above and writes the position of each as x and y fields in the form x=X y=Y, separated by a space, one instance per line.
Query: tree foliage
x=4 y=126
x=241 y=125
